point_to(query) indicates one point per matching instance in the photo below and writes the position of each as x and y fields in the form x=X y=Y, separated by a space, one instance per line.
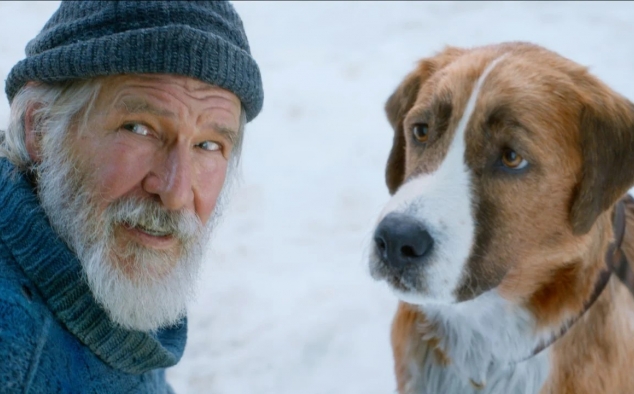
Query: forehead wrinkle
x=201 y=94
x=187 y=84
x=133 y=103
x=136 y=105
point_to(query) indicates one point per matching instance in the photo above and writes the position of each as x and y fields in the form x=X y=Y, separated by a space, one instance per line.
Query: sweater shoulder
x=15 y=288
x=21 y=341
x=20 y=327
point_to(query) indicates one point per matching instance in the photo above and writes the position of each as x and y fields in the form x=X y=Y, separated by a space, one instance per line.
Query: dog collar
x=616 y=262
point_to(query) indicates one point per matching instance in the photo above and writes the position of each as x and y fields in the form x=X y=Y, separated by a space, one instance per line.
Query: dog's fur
x=516 y=253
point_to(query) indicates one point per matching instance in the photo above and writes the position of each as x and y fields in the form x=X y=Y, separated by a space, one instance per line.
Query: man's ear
x=31 y=133
x=607 y=146
x=399 y=104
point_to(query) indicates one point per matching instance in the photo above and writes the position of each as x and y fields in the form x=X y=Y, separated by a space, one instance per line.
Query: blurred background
x=285 y=303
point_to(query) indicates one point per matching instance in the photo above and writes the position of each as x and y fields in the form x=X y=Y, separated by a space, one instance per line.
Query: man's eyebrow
x=135 y=105
x=228 y=132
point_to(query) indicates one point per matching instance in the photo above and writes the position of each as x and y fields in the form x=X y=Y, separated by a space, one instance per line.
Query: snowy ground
x=286 y=304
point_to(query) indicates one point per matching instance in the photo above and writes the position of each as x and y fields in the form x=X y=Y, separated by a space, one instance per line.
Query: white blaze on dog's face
x=440 y=200
x=487 y=175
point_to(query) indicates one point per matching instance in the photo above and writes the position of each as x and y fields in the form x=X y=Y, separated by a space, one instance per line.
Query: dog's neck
x=482 y=339
x=615 y=262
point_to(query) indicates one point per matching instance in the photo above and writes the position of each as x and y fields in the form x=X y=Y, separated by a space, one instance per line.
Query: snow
x=286 y=304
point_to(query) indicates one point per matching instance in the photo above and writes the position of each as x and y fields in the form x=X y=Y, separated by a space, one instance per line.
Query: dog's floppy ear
x=607 y=145
x=396 y=108
x=400 y=102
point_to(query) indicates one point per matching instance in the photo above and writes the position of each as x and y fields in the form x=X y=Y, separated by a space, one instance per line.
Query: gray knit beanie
x=199 y=39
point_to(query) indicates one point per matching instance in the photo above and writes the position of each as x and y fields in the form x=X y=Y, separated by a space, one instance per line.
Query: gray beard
x=154 y=290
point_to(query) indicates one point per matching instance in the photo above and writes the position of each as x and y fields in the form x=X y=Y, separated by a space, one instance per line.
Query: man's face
x=161 y=138
x=133 y=188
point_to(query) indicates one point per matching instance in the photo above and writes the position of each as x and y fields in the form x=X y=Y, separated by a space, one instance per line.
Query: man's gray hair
x=57 y=108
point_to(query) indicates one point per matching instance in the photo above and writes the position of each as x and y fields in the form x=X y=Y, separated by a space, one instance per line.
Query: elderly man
x=126 y=123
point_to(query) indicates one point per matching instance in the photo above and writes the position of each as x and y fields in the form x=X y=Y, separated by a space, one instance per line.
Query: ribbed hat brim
x=173 y=49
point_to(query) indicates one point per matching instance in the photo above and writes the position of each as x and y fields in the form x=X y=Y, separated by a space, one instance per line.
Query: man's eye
x=136 y=128
x=209 y=145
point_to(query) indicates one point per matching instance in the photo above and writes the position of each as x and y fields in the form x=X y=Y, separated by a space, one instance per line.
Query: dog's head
x=504 y=157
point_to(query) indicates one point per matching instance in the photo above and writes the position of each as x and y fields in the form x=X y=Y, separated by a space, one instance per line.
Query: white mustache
x=151 y=216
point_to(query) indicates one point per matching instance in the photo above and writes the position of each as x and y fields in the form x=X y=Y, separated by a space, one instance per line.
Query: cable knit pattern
x=54 y=337
x=199 y=39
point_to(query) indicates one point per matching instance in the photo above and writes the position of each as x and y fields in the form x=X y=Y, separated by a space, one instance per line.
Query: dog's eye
x=513 y=160
x=421 y=131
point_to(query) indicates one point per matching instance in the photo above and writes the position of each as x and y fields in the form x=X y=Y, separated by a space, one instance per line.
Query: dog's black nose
x=401 y=240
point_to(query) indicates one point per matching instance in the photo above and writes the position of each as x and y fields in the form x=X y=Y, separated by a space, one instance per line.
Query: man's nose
x=175 y=190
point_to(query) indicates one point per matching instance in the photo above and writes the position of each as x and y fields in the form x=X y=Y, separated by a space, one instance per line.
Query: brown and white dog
x=506 y=166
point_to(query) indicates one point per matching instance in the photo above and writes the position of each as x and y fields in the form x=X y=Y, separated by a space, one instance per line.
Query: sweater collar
x=55 y=270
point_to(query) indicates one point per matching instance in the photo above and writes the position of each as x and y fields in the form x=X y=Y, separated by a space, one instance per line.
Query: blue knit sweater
x=54 y=337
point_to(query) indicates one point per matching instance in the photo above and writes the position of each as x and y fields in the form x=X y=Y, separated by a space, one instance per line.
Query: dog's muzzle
x=401 y=240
